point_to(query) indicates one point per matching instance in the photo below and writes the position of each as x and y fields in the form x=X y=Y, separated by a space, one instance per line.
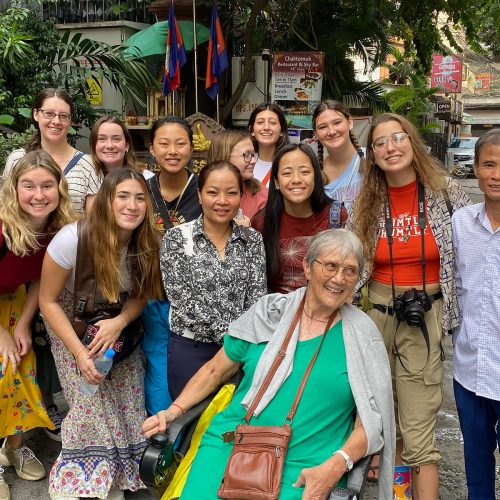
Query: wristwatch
x=348 y=462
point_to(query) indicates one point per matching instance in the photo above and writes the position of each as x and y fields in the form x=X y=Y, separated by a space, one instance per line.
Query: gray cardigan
x=368 y=369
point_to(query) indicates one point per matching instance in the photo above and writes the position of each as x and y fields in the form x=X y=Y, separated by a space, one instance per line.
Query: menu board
x=297 y=81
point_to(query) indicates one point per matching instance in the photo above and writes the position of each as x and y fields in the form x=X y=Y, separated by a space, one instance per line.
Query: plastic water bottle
x=102 y=365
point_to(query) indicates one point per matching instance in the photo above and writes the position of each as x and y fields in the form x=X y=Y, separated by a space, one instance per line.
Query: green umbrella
x=152 y=41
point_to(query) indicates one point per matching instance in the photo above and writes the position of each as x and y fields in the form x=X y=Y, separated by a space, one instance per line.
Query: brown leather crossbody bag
x=255 y=466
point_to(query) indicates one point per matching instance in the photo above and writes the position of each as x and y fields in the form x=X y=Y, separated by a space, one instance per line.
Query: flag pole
x=195 y=49
x=218 y=112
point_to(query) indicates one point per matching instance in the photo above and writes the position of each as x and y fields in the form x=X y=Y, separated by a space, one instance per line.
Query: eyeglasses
x=331 y=269
x=50 y=115
x=247 y=156
x=397 y=138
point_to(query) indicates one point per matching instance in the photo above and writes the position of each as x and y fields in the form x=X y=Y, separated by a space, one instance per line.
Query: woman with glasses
x=297 y=208
x=343 y=167
x=410 y=292
x=346 y=409
x=52 y=114
x=237 y=147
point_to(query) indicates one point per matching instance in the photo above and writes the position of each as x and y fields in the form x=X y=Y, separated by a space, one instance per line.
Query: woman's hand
x=319 y=481
x=108 y=333
x=22 y=338
x=87 y=367
x=245 y=221
x=8 y=351
x=160 y=422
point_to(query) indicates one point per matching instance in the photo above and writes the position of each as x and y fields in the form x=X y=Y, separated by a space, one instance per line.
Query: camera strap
x=389 y=228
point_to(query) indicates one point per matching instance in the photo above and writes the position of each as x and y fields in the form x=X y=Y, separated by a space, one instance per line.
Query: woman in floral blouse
x=213 y=270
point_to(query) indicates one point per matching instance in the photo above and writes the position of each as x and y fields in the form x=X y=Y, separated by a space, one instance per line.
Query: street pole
x=195 y=48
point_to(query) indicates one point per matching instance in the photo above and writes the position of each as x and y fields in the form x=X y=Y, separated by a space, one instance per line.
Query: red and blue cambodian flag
x=175 y=55
x=217 y=56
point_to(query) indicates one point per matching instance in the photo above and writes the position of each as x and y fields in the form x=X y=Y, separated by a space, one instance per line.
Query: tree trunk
x=258 y=6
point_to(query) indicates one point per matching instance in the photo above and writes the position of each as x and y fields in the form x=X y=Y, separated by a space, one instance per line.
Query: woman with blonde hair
x=101 y=439
x=237 y=147
x=34 y=205
x=409 y=276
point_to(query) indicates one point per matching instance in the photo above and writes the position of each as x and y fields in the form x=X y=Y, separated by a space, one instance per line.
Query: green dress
x=323 y=422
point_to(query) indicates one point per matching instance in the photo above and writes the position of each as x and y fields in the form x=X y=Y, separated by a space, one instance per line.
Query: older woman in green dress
x=346 y=410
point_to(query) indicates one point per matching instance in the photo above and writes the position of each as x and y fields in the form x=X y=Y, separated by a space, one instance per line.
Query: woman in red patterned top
x=297 y=208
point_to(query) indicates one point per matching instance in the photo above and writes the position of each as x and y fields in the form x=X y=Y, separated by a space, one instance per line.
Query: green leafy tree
x=411 y=97
x=65 y=61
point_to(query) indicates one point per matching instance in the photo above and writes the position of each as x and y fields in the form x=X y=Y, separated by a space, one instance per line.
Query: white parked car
x=460 y=155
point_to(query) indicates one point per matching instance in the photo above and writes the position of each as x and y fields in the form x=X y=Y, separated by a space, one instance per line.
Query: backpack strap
x=73 y=162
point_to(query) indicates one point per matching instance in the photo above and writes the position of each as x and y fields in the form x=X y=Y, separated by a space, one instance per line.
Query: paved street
x=448 y=437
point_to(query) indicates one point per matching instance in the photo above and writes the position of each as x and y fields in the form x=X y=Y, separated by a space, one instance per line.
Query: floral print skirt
x=102 y=441
x=21 y=407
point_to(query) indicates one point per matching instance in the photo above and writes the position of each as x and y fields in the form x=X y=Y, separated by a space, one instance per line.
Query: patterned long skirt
x=21 y=407
x=102 y=442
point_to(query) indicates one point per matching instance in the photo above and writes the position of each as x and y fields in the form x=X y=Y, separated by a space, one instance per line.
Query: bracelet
x=179 y=406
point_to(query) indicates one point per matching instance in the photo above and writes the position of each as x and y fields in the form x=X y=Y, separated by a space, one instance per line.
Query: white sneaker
x=24 y=461
x=4 y=487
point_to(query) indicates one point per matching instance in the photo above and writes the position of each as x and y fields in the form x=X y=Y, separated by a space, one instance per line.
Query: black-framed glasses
x=331 y=269
x=247 y=156
x=397 y=138
x=50 y=115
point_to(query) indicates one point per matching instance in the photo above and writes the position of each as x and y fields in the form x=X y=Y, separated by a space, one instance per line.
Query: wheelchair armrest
x=160 y=447
x=356 y=482
x=180 y=423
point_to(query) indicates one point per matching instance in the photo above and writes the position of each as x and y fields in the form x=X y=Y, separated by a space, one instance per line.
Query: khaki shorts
x=418 y=392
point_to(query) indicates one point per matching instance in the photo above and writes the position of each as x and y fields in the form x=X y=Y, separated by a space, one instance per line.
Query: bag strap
x=277 y=361
x=73 y=162
x=302 y=386
x=85 y=284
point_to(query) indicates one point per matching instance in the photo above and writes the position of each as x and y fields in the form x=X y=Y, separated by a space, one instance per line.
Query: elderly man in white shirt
x=476 y=359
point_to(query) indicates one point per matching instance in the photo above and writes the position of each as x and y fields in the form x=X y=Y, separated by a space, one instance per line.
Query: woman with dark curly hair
x=269 y=130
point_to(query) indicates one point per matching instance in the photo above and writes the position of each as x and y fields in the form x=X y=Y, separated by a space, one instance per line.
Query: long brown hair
x=129 y=159
x=373 y=193
x=339 y=108
x=220 y=149
x=143 y=249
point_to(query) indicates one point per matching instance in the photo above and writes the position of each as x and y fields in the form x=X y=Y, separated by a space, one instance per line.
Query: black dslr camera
x=411 y=306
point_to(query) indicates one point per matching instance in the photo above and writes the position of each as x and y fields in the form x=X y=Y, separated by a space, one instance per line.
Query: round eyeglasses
x=248 y=156
x=331 y=269
x=380 y=143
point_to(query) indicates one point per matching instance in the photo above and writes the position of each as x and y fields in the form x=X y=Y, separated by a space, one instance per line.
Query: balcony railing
x=94 y=11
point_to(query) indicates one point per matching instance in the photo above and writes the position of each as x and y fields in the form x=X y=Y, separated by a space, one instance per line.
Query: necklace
x=172 y=215
x=313 y=318
x=407 y=229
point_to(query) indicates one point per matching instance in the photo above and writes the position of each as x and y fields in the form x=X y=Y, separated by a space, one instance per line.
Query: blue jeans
x=478 y=420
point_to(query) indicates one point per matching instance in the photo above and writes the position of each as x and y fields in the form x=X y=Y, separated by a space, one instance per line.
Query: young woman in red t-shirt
x=397 y=163
x=297 y=208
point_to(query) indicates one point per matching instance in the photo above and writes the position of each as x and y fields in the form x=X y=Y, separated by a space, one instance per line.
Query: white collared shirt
x=476 y=356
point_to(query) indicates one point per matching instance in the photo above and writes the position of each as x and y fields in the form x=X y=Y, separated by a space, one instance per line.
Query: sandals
x=372 y=475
